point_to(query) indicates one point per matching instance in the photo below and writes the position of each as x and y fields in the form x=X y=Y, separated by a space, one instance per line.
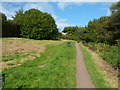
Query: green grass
x=97 y=78
x=13 y=57
x=107 y=52
x=10 y=64
x=59 y=70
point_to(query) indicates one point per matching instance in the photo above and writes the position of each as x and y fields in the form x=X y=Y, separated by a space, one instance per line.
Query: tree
x=115 y=7
x=114 y=23
x=10 y=29
x=3 y=16
x=18 y=16
x=69 y=31
x=36 y=24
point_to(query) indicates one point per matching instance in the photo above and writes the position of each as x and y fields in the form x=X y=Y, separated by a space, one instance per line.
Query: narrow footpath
x=82 y=76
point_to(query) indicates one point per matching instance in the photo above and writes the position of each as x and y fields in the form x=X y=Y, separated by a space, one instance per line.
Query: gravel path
x=82 y=76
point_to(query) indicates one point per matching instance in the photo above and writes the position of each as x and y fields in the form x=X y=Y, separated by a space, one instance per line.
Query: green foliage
x=109 y=53
x=114 y=22
x=70 y=30
x=10 y=29
x=3 y=16
x=36 y=24
x=67 y=37
x=18 y=17
x=103 y=30
x=112 y=56
x=115 y=7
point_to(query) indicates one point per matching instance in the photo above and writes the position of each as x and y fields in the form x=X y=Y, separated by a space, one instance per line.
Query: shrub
x=10 y=29
x=107 y=52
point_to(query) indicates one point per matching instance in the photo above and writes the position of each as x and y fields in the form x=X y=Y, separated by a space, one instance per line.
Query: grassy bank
x=107 y=52
x=93 y=70
x=55 y=68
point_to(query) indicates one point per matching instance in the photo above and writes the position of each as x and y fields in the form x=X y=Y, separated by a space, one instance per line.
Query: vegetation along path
x=82 y=76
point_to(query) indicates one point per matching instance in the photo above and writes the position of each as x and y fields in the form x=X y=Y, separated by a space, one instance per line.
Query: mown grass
x=58 y=71
x=97 y=78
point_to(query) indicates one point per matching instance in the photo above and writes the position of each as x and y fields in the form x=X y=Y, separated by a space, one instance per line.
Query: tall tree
x=3 y=16
x=114 y=22
x=36 y=24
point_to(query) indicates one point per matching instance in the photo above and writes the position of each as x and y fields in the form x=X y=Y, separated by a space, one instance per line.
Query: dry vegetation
x=16 y=51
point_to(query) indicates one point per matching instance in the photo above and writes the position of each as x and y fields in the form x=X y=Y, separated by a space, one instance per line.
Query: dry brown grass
x=21 y=46
x=16 y=46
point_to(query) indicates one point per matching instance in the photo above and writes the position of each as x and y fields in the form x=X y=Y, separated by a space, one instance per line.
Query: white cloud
x=63 y=5
x=9 y=10
x=60 y=0
x=42 y=6
x=54 y=16
x=62 y=20
x=61 y=23
x=108 y=12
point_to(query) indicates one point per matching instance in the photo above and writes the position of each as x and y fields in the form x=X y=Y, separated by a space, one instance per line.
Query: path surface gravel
x=82 y=76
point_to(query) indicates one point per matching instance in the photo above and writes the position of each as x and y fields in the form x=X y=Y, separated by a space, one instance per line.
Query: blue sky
x=64 y=13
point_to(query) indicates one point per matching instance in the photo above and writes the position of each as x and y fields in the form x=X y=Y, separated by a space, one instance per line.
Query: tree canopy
x=105 y=29
x=3 y=16
x=36 y=24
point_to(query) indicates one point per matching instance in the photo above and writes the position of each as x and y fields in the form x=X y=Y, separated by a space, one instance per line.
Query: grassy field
x=55 y=67
x=97 y=78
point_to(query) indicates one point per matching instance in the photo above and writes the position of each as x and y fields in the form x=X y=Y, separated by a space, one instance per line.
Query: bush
x=10 y=29
x=107 y=52
x=111 y=57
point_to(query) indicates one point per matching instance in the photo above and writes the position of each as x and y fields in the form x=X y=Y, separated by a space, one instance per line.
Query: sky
x=64 y=13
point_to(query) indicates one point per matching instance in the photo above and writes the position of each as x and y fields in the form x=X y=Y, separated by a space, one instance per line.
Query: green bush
x=107 y=52
x=112 y=56
x=85 y=43
x=10 y=29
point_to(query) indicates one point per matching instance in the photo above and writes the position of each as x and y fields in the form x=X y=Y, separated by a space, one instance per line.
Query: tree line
x=101 y=36
x=106 y=29
x=32 y=24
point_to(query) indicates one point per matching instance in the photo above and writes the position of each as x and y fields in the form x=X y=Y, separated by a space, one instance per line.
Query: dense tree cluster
x=101 y=35
x=9 y=28
x=103 y=30
x=33 y=24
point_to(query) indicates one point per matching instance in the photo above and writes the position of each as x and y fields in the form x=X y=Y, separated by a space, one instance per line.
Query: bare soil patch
x=25 y=48
x=42 y=65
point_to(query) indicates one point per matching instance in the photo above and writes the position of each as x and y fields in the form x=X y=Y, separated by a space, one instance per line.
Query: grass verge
x=56 y=68
x=94 y=71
